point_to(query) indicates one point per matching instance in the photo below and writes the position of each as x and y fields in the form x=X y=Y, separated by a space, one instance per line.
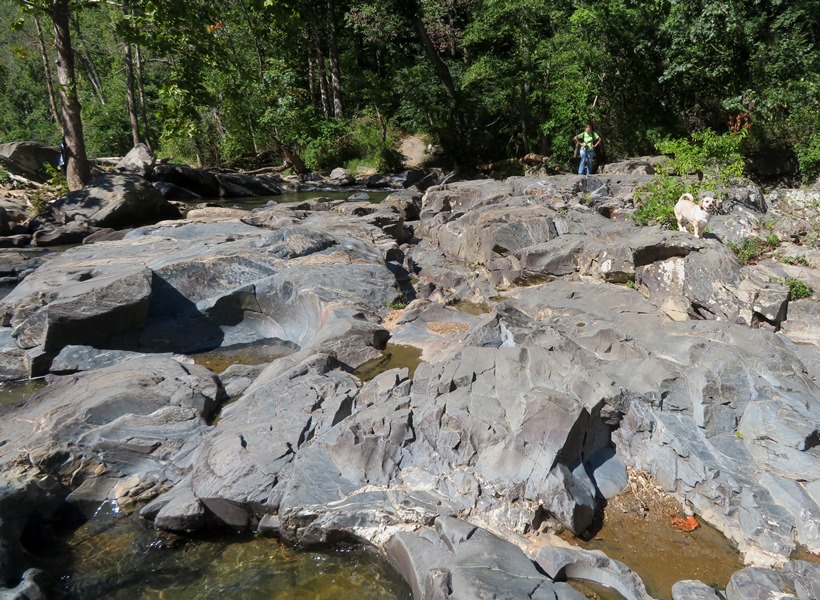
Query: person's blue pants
x=587 y=158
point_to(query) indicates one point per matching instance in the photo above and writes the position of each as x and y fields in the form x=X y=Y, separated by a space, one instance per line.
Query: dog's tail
x=686 y=196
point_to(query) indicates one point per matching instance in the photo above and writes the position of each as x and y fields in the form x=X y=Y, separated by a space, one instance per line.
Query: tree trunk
x=524 y=111
x=313 y=70
x=77 y=170
x=333 y=56
x=260 y=59
x=291 y=157
x=320 y=68
x=143 y=110
x=413 y=11
x=52 y=104
x=129 y=90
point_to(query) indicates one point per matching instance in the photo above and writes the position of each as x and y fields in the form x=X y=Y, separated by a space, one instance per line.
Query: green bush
x=795 y=260
x=808 y=157
x=331 y=146
x=656 y=201
x=798 y=289
x=365 y=140
x=399 y=303
x=751 y=249
x=716 y=159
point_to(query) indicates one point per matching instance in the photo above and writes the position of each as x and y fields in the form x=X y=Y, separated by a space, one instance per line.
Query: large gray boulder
x=133 y=417
x=198 y=181
x=797 y=579
x=140 y=160
x=116 y=201
x=454 y=560
x=592 y=565
x=27 y=159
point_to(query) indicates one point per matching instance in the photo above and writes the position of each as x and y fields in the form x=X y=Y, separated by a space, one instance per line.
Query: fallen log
x=284 y=166
x=107 y=160
x=24 y=181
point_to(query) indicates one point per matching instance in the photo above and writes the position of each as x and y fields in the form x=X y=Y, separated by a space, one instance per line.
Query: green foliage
x=331 y=146
x=398 y=303
x=224 y=81
x=56 y=181
x=715 y=158
x=55 y=186
x=37 y=201
x=795 y=260
x=751 y=249
x=808 y=156
x=656 y=200
x=798 y=289
x=363 y=141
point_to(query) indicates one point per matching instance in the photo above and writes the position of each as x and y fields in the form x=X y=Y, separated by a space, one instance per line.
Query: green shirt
x=588 y=139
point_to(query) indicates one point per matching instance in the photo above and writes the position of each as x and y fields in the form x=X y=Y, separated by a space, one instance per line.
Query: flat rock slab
x=197 y=286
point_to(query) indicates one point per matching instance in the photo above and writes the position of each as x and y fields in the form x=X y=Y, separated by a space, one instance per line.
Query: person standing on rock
x=588 y=140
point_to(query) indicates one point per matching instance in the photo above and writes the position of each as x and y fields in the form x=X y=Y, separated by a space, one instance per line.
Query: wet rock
x=243 y=458
x=459 y=560
x=31 y=587
x=213 y=213
x=16 y=264
x=592 y=565
x=15 y=241
x=15 y=210
x=171 y=191
x=89 y=304
x=524 y=231
x=133 y=416
x=646 y=165
x=105 y=234
x=237 y=378
x=693 y=590
x=72 y=359
x=797 y=579
x=160 y=290
x=238 y=185
x=359 y=197
x=407 y=203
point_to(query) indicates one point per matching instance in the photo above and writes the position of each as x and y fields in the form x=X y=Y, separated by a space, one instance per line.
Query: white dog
x=686 y=211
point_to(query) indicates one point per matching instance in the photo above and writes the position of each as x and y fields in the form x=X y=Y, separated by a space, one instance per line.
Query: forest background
x=328 y=83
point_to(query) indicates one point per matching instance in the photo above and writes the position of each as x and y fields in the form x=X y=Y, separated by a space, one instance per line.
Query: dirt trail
x=414 y=150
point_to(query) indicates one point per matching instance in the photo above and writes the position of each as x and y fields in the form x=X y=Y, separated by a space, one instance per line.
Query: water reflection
x=394 y=357
x=126 y=559
x=258 y=354
x=15 y=392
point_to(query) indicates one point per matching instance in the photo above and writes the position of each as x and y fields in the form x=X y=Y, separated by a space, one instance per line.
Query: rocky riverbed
x=599 y=347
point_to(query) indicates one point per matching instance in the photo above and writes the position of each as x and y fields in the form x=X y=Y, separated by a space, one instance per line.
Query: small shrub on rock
x=795 y=260
x=798 y=289
x=751 y=249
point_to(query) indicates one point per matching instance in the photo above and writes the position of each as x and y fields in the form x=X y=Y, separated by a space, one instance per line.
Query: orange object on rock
x=690 y=523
